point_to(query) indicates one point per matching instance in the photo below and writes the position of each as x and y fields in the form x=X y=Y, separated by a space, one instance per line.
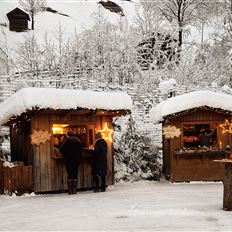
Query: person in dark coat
x=204 y=139
x=207 y=137
x=99 y=165
x=72 y=149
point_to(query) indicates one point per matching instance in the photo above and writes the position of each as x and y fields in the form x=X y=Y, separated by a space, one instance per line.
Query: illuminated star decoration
x=107 y=133
x=226 y=127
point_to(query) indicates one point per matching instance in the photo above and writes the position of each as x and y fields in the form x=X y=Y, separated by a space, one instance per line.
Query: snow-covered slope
x=82 y=14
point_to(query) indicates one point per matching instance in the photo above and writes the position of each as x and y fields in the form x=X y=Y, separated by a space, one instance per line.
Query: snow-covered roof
x=189 y=101
x=61 y=99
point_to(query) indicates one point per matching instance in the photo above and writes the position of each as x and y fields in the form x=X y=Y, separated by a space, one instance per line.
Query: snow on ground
x=141 y=206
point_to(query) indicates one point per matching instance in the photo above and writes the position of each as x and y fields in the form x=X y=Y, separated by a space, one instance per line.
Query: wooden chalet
x=38 y=119
x=197 y=130
x=18 y=20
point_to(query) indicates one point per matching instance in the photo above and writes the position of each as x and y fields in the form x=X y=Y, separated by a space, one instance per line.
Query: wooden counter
x=212 y=153
x=197 y=166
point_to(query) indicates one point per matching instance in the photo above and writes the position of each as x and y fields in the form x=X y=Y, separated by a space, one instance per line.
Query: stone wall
x=143 y=99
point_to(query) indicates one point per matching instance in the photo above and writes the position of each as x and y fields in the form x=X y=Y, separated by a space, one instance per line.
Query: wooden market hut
x=197 y=129
x=18 y=20
x=38 y=119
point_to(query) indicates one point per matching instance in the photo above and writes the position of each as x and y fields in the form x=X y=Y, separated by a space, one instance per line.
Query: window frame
x=198 y=123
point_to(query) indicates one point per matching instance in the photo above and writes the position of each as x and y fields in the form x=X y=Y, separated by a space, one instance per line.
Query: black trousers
x=72 y=170
x=96 y=182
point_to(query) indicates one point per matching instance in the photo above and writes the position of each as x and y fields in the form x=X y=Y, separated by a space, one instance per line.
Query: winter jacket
x=99 y=165
x=72 y=149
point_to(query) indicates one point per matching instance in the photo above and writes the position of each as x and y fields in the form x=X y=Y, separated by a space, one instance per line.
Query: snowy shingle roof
x=61 y=99
x=189 y=101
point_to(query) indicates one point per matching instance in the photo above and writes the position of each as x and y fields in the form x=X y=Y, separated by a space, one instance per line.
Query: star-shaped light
x=226 y=127
x=107 y=133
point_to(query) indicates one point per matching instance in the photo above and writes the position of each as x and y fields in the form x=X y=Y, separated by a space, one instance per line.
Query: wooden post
x=227 y=183
x=1 y=178
x=227 y=198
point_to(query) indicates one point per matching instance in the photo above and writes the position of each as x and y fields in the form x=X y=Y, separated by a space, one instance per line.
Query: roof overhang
x=189 y=102
x=29 y=101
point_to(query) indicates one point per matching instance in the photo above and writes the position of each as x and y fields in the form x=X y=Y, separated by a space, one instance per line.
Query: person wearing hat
x=99 y=163
x=72 y=149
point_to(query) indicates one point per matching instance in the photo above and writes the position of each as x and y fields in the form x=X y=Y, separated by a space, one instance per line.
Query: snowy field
x=142 y=206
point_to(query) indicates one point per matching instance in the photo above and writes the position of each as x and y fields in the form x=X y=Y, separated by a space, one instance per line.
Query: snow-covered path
x=141 y=206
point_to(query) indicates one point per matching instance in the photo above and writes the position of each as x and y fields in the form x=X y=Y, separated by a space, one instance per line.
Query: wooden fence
x=16 y=179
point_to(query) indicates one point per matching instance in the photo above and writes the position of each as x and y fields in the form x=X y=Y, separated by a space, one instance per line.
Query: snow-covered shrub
x=135 y=156
x=4 y=154
x=4 y=137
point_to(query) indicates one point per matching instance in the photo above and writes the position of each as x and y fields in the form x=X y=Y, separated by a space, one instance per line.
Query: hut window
x=60 y=131
x=200 y=135
x=84 y=132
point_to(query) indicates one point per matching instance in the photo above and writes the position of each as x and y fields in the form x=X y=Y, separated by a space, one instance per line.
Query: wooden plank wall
x=19 y=152
x=17 y=178
x=1 y=177
x=50 y=174
x=182 y=169
x=201 y=168
x=16 y=25
x=166 y=157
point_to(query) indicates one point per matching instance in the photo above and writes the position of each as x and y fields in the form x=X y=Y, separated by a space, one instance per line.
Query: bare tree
x=33 y=7
x=148 y=18
x=29 y=55
x=170 y=17
x=181 y=13
x=227 y=13
x=4 y=54
x=49 y=53
x=221 y=19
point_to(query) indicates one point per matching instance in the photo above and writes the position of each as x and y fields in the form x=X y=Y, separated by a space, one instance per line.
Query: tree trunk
x=227 y=198
x=180 y=41
x=180 y=38
x=32 y=21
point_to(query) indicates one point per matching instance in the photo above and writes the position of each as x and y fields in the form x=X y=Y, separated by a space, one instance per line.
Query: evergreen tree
x=136 y=157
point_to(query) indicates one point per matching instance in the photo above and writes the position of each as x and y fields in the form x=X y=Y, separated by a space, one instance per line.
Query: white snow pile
x=189 y=101
x=8 y=164
x=48 y=98
x=166 y=86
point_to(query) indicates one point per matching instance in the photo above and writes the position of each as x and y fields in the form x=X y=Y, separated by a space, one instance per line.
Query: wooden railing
x=16 y=179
